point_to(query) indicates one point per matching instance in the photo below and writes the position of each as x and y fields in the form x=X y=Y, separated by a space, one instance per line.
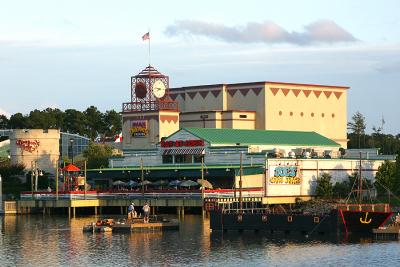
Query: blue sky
x=73 y=54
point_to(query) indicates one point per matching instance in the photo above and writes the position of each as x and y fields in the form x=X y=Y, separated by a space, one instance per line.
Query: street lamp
x=71 y=141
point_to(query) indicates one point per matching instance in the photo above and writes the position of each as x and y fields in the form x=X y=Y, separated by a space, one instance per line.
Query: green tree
x=357 y=126
x=324 y=187
x=113 y=123
x=95 y=123
x=75 y=122
x=18 y=121
x=4 y=121
x=386 y=178
x=97 y=155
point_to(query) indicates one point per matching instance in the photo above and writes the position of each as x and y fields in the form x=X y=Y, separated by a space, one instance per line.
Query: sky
x=75 y=53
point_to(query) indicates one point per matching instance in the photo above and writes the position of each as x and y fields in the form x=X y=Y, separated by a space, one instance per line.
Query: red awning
x=71 y=168
x=184 y=151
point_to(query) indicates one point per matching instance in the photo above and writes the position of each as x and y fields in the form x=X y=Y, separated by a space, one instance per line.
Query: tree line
x=90 y=122
x=387 y=143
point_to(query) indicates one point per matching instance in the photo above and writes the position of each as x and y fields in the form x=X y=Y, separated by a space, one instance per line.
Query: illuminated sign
x=284 y=175
x=28 y=145
x=139 y=128
x=180 y=143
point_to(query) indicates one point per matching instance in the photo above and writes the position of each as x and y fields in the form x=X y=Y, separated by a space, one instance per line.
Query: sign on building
x=139 y=128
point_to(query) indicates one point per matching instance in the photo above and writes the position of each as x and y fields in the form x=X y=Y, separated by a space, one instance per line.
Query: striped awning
x=184 y=151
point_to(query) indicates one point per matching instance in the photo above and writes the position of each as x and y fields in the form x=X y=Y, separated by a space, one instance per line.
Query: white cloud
x=3 y=112
x=322 y=31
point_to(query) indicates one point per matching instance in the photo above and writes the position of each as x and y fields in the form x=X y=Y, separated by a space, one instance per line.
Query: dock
x=146 y=227
x=387 y=233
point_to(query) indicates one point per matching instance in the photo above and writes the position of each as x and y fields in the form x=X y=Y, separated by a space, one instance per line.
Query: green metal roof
x=260 y=137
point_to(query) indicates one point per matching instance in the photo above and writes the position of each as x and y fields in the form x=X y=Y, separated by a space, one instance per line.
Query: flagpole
x=149 y=49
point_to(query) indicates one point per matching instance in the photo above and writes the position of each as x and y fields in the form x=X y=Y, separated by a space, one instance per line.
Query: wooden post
x=84 y=184
x=73 y=211
x=69 y=213
x=95 y=210
x=122 y=210
x=57 y=180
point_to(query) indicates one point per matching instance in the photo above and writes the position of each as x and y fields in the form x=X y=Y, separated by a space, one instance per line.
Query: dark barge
x=253 y=216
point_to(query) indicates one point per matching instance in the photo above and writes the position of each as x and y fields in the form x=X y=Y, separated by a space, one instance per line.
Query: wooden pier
x=387 y=233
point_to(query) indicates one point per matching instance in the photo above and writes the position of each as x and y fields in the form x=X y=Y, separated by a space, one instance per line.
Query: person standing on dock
x=146 y=211
x=131 y=211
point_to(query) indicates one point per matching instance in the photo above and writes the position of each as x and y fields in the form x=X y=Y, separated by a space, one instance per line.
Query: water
x=37 y=240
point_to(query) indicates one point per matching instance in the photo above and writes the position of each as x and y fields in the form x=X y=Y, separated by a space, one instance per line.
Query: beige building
x=266 y=106
x=35 y=146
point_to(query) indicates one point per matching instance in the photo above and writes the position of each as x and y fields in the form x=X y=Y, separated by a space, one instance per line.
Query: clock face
x=159 y=89
x=140 y=90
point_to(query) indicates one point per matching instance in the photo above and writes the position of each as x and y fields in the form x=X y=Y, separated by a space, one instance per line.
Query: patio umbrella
x=71 y=168
x=205 y=183
x=119 y=182
x=188 y=183
x=175 y=183
x=160 y=183
x=132 y=183
x=145 y=182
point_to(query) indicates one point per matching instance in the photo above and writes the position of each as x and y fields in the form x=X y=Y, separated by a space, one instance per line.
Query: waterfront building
x=297 y=129
x=43 y=147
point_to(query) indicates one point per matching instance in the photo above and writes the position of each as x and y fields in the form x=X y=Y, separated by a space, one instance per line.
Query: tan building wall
x=35 y=145
x=219 y=119
x=159 y=124
x=316 y=108
x=277 y=106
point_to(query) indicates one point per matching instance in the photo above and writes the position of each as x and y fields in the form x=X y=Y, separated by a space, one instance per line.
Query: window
x=183 y=159
x=242 y=116
x=312 y=114
x=333 y=115
x=197 y=158
x=280 y=113
x=301 y=114
x=167 y=159
x=323 y=115
x=291 y=113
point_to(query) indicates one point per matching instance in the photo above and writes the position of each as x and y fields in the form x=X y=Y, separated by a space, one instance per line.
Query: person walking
x=146 y=211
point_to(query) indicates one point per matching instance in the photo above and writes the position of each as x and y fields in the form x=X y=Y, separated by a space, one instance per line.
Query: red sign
x=28 y=145
x=179 y=143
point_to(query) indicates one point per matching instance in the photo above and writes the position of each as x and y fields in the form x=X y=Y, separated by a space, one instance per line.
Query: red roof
x=71 y=168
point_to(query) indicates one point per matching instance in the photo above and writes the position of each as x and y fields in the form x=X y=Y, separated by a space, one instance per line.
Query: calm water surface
x=54 y=241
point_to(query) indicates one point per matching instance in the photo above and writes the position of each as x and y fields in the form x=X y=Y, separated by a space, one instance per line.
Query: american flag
x=146 y=36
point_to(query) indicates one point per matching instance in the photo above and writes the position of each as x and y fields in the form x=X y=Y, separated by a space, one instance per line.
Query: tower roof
x=149 y=71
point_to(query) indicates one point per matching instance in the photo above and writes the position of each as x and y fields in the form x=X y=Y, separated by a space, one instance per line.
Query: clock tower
x=151 y=114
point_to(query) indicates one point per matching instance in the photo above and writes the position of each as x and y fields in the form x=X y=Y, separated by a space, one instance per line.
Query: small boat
x=99 y=226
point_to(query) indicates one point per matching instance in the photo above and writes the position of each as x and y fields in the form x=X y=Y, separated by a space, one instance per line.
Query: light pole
x=71 y=141
x=142 y=175
x=1 y=195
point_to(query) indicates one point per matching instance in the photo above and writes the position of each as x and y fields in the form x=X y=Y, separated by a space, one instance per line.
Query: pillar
x=69 y=212
x=95 y=210
x=122 y=210
x=183 y=212
x=178 y=211
x=73 y=212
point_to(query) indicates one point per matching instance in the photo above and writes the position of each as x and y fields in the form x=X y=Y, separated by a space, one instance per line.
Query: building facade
x=266 y=106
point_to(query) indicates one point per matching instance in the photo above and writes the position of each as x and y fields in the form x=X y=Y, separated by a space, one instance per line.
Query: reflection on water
x=55 y=241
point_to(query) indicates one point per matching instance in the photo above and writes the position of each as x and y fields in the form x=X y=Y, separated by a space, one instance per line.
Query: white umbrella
x=132 y=183
x=119 y=182
x=145 y=182
x=188 y=183
x=175 y=183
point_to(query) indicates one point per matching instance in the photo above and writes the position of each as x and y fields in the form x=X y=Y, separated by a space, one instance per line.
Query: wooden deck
x=138 y=226
x=387 y=233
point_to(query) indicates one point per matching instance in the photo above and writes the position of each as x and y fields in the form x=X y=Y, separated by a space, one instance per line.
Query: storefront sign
x=28 y=145
x=284 y=175
x=180 y=143
x=139 y=128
